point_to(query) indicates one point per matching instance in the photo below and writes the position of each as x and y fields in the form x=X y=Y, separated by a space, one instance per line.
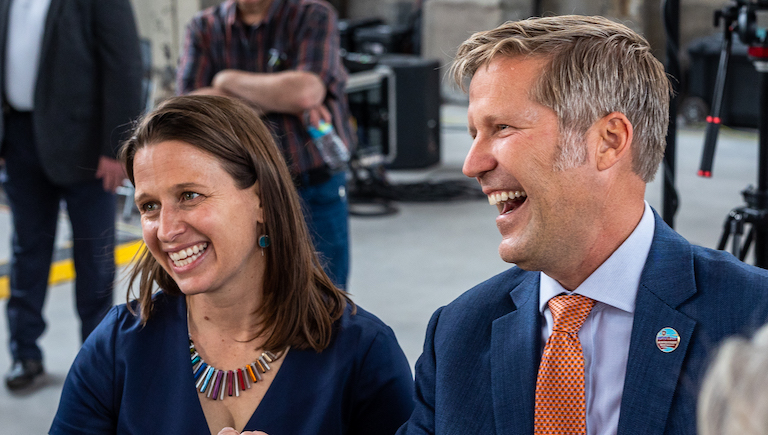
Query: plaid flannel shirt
x=297 y=35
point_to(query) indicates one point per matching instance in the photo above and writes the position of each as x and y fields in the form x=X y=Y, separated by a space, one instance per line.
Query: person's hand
x=230 y=431
x=317 y=113
x=111 y=173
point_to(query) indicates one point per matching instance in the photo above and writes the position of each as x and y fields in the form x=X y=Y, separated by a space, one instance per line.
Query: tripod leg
x=737 y=229
x=747 y=243
x=726 y=233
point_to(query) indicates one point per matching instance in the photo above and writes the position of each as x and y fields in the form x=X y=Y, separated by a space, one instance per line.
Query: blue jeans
x=326 y=211
x=34 y=202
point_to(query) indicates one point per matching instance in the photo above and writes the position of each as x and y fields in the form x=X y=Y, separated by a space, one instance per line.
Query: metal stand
x=670 y=201
x=755 y=212
x=741 y=17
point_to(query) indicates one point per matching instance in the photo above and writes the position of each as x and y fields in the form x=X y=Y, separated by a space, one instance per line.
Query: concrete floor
x=406 y=265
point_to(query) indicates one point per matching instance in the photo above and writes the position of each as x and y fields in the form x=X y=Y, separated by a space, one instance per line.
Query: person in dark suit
x=568 y=117
x=71 y=83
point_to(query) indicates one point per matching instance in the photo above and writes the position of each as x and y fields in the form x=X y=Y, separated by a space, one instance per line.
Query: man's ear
x=614 y=133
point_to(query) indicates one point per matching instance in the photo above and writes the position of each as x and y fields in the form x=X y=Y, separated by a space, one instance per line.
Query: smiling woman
x=246 y=330
x=198 y=225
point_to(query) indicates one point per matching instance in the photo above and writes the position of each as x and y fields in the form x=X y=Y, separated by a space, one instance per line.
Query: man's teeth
x=186 y=256
x=496 y=198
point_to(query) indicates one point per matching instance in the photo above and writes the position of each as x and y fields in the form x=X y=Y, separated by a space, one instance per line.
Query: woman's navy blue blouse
x=129 y=379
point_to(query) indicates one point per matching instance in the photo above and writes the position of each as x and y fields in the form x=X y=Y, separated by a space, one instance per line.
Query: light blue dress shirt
x=606 y=332
x=26 y=26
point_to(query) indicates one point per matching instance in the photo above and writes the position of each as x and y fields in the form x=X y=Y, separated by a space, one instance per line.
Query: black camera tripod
x=741 y=17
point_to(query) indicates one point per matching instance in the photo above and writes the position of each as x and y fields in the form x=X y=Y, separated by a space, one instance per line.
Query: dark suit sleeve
x=87 y=404
x=120 y=63
x=422 y=420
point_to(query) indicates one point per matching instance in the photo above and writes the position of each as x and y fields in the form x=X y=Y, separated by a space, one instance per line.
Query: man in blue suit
x=568 y=117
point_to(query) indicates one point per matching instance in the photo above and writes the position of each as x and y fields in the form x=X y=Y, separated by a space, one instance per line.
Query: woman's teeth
x=496 y=198
x=186 y=256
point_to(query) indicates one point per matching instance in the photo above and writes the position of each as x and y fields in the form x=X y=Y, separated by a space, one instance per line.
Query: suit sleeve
x=422 y=419
x=120 y=63
x=383 y=388
x=87 y=404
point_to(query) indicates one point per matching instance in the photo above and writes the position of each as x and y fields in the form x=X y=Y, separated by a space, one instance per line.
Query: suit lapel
x=5 y=6
x=652 y=375
x=54 y=11
x=515 y=350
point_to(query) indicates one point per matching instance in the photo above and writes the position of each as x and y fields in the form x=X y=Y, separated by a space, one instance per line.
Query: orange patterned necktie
x=560 y=403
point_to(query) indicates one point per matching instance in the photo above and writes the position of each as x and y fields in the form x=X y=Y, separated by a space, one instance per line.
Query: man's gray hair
x=596 y=66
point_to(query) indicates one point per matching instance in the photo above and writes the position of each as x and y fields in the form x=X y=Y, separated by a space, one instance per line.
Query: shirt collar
x=231 y=12
x=616 y=281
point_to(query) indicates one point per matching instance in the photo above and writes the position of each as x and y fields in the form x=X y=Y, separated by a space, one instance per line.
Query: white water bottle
x=333 y=150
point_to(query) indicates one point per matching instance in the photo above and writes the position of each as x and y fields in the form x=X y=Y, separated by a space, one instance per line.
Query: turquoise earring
x=264 y=241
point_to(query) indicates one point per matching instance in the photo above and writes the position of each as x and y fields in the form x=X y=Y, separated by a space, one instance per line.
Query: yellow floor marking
x=64 y=270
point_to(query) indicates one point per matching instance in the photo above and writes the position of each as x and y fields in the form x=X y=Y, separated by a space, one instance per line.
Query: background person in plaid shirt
x=282 y=57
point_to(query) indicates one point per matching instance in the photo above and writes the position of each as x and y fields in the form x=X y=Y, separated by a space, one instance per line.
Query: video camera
x=749 y=19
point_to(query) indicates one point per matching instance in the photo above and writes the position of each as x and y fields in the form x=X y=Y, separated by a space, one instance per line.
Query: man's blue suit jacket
x=477 y=374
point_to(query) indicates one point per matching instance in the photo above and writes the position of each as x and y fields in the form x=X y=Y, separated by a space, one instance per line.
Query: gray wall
x=445 y=23
x=162 y=22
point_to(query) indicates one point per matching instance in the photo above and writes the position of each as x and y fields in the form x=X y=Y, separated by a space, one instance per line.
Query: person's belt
x=10 y=110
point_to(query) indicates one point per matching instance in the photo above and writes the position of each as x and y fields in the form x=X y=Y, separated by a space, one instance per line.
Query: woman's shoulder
x=122 y=336
x=124 y=321
x=380 y=372
x=361 y=320
x=362 y=329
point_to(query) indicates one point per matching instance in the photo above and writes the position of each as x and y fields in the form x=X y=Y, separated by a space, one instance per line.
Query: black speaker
x=347 y=29
x=417 y=110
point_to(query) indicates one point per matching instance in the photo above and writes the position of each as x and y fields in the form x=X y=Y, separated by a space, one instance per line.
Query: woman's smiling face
x=196 y=222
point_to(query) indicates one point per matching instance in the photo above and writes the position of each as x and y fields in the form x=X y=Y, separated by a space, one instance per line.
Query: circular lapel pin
x=667 y=340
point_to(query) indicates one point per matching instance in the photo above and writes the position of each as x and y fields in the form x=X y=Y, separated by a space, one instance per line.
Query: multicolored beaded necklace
x=216 y=384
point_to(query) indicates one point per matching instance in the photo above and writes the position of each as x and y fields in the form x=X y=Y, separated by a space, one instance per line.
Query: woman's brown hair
x=300 y=303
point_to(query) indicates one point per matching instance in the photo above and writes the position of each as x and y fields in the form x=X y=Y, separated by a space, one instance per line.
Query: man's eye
x=187 y=196
x=147 y=207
